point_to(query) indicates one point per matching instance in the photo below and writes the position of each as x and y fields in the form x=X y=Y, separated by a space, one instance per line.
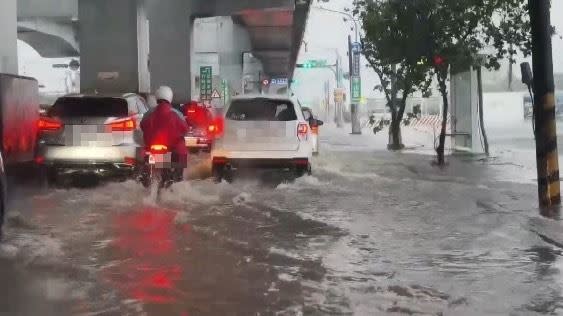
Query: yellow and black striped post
x=544 y=109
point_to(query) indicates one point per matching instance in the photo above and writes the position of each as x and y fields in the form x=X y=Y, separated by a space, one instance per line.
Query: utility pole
x=355 y=84
x=545 y=126
x=510 y=69
x=338 y=104
x=327 y=100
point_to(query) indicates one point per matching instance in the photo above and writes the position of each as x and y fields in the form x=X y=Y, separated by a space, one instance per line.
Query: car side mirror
x=318 y=123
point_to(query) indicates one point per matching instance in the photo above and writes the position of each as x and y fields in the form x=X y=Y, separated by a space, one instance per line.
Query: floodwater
x=370 y=233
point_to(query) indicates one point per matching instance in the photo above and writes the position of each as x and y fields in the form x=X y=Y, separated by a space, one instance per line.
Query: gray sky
x=327 y=31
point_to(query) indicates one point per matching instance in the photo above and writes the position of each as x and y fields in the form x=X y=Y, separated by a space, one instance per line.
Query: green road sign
x=205 y=82
x=226 y=96
x=356 y=89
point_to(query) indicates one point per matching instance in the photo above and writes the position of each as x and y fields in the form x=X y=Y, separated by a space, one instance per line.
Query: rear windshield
x=90 y=107
x=261 y=110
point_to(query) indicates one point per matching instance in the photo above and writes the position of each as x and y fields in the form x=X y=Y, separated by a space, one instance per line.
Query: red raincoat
x=165 y=126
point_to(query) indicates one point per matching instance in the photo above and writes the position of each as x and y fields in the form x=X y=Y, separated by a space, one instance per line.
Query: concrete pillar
x=221 y=44
x=113 y=46
x=252 y=69
x=8 y=37
x=170 y=34
x=234 y=41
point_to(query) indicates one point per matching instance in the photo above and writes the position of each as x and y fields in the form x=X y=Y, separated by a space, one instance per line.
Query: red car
x=203 y=127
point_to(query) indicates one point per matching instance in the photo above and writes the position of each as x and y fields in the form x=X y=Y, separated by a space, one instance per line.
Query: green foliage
x=464 y=33
x=389 y=45
x=406 y=31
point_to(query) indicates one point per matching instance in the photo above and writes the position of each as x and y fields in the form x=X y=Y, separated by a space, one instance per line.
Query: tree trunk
x=395 y=139
x=442 y=144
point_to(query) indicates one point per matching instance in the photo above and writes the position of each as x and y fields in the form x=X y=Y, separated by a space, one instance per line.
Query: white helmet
x=164 y=93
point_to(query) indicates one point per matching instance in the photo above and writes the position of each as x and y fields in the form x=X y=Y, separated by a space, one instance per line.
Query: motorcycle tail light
x=158 y=149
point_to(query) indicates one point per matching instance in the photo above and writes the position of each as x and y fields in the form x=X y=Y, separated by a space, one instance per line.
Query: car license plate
x=191 y=141
x=159 y=158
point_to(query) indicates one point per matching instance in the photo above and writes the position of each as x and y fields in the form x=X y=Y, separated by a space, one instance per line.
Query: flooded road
x=370 y=233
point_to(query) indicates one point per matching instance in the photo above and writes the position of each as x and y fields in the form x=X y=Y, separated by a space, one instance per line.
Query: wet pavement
x=370 y=233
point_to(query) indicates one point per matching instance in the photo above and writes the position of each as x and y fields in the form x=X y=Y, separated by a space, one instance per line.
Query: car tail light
x=301 y=162
x=130 y=161
x=302 y=130
x=122 y=125
x=315 y=130
x=219 y=160
x=39 y=160
x=49 y=124
x=158 y=149
x=218 y=127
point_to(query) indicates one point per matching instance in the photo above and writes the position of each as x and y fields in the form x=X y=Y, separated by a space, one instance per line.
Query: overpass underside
x=137 y=45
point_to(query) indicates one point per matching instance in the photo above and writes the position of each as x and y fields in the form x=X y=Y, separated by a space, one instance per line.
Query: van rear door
x=261 y=124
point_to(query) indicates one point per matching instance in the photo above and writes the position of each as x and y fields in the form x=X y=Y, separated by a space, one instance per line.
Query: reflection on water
x=144 y=256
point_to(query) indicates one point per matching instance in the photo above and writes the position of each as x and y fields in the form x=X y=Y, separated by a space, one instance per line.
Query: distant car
x=263 y=132
x=91 y=134
x=199 y=138
x=314 y=124
x=201 y=135
x=3 y=194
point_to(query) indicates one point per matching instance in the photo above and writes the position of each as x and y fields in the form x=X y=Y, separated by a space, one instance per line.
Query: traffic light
x=438 y=60
x=306 y=65
x=309 y=64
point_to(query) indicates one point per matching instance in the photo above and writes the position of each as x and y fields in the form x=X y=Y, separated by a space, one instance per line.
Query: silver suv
x=91 y=134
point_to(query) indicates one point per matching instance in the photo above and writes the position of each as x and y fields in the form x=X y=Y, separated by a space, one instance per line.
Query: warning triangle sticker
x=215 y=94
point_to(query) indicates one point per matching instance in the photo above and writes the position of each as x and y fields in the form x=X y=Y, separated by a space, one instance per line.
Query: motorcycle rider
x=166 y=126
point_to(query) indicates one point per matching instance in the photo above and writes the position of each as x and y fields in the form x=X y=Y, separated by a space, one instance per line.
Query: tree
x=450 y=35
x=390 y=44
x=461 y=30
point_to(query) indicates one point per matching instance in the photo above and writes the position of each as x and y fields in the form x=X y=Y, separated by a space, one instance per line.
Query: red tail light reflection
x=151 y=271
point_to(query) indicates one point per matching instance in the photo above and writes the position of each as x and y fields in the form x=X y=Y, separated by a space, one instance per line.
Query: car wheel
x=218 y=173
x=47 y=177
x=2 y=211
x=302 y=171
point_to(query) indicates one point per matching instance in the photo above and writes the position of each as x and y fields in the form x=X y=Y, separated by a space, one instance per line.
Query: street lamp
x=306 y=46
x=354 y=65
x=347 y=17
x=337 y=71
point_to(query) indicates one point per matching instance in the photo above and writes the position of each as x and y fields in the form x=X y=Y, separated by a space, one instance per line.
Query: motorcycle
x=158 y=171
